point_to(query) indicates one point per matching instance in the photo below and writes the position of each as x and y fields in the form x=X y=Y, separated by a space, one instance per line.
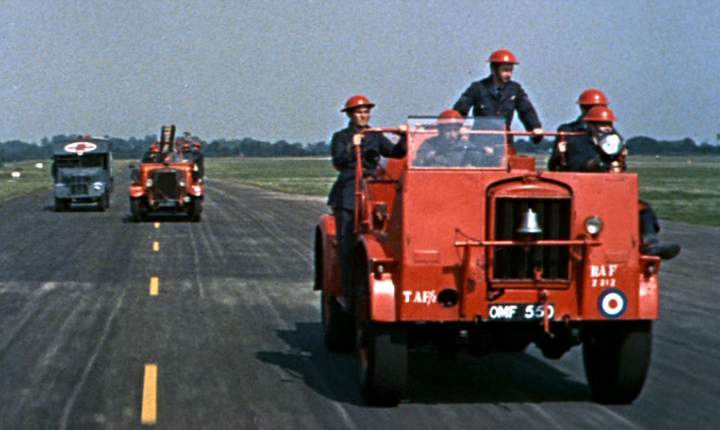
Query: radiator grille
x=166 y=184
x=518 y=262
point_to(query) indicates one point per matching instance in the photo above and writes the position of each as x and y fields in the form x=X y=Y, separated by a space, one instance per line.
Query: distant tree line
x=133 y=148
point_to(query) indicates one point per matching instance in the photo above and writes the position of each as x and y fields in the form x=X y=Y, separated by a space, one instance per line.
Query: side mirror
x=132 y=166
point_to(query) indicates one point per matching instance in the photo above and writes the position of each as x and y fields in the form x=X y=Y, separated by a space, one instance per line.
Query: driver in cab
x=603 y=150
x=452 y=148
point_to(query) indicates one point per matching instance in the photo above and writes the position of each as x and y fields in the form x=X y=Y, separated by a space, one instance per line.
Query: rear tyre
x=137 y=210
x=61 y=205
x=617 y=357
x=195 y=211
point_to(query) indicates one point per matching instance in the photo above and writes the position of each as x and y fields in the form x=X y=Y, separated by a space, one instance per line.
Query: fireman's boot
x=651 y=245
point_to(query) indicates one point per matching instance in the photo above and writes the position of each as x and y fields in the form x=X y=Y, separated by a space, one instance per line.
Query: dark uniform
x=150 y=157
x=440 y=152
x=581 y=153
x=487 y=99
x=199 y=160
x=342 y=195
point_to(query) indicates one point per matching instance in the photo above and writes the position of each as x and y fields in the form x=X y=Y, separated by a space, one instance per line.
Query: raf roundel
x=80 y=147
x=612 y=303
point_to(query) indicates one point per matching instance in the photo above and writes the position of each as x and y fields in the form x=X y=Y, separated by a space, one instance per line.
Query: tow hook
x=543 y=295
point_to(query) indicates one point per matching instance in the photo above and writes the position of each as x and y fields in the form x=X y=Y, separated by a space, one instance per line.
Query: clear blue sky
x=282 y=69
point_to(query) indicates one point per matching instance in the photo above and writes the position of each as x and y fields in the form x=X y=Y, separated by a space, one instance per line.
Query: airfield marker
x=156 y=246
x=148 y=415
x=154 y=286
x=157 y=225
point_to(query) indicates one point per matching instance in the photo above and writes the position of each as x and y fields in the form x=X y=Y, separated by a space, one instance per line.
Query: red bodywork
x=499 y=256
x=428 y=230
x=172 y=186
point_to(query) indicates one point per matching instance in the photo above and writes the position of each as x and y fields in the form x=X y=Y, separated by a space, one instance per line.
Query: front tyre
x=195 y=211
x=103 y=203
x=61 y=205
x=617 y=357
x=137 y=211
x=382 y=348
x=383 y=356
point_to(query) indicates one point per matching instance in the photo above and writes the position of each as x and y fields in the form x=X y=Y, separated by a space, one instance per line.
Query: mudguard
x=382 y=290
x=136 y=191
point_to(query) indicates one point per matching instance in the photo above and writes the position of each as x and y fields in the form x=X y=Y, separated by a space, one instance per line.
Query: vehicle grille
x=518 y=262
x=78 y=185
x=166 y=184
x=78 y=189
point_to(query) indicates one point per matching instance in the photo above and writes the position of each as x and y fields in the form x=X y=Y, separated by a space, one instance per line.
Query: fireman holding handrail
x=602 y=150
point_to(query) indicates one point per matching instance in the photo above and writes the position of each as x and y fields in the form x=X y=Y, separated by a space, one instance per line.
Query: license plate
x=519 y=312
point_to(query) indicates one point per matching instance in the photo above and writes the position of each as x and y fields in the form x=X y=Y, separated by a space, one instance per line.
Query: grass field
x=309 y=176
x=683 y=189
x=31 y=179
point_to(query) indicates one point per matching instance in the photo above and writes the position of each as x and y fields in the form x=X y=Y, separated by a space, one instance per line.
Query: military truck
x=82 y=172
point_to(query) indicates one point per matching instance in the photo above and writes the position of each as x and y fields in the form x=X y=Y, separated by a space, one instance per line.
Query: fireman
x=578 y=148
x=199 y=159
x=342 y=194
x=450 y=148
x=599 y=122
x=151 y=155
x=499 y=95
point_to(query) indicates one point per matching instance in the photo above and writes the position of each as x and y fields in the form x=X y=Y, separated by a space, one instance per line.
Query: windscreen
x=76 y=161
x=473 y=143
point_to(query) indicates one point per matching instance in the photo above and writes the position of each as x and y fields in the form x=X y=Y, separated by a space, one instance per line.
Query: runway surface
x=234 y=337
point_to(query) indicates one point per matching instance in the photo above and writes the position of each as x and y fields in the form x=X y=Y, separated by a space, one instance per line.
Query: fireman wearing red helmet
x=442 y=150
x=578 y=149
x=342 y=196
x=453 y=148
x=601 y=151
x=151 y=155
x=499 y=95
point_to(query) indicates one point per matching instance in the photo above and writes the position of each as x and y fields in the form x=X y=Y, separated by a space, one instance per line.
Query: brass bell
x=529 y=224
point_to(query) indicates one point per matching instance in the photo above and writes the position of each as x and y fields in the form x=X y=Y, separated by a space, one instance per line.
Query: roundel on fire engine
x=80 y=147
x=612 y=303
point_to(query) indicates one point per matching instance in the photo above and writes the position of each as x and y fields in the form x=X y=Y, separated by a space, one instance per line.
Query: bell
x=530 y=223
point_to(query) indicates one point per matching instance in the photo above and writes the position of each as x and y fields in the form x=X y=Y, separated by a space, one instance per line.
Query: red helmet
x=593 y=97
x=357 y=101
x=154 y=148
x=196 y=146
x=600 y=114
x=502 y=56
x=450 y=117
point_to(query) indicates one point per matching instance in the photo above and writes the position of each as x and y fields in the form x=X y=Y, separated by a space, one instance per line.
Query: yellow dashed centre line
x=157 y=225
x=156 y=246
x=148 y=415
x=154 y=286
